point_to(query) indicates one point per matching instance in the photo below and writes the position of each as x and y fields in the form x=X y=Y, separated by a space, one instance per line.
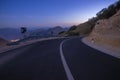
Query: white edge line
x=66 y=68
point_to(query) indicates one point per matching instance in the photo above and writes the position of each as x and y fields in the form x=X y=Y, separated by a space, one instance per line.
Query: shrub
x=72 y=28
x=61 y=32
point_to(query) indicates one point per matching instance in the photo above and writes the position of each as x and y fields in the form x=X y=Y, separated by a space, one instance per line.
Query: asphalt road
x=42 y=61
x=87 y=63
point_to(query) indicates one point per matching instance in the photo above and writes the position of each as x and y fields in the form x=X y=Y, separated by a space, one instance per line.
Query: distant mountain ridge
x=2 y=41
x=10 y=33
x=15 y=33
x=51 y=32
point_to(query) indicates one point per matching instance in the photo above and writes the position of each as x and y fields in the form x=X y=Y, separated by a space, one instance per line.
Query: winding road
x=58 y=59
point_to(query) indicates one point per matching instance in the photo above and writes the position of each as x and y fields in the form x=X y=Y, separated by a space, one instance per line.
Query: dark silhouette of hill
x=3 y=42
x=51 y=32
x=15 y=33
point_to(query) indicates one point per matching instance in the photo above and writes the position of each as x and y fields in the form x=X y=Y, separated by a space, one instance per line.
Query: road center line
x=66 y=68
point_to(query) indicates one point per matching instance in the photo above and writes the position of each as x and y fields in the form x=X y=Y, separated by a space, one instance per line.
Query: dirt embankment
x=106 y=33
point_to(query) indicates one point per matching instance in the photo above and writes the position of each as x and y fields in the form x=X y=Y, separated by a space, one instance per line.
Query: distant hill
x=10 y=33
x=81 y=29
x=51 y=32
x=55 y=30
x=14 y=33
x=2 y=41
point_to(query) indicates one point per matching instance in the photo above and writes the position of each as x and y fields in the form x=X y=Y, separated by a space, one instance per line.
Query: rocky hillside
x=81 y=29
x=86 y=27
x=107 y=31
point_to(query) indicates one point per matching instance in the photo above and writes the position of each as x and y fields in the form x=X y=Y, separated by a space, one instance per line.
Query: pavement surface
x=87 y=63
x=43 y=61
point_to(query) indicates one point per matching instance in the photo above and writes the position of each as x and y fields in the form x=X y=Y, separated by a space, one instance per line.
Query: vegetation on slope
x=87 y=27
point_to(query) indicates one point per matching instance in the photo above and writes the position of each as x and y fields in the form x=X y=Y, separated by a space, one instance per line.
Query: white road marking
x=67 y=70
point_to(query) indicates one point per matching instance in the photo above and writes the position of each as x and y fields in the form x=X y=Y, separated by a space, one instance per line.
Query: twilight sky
x=42 y=13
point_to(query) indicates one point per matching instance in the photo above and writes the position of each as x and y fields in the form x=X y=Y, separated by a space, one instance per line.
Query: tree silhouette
x=23 y=31
x=106 y=13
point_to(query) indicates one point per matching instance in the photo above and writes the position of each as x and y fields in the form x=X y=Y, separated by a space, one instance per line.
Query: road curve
x=65 y=65
x=39 y=61
x=47 y=60
x=87 y=63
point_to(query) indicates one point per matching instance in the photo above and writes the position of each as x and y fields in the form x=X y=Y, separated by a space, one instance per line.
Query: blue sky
x=41 y=13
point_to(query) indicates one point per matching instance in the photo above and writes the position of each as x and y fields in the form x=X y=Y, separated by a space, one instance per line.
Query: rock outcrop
x=107 y=31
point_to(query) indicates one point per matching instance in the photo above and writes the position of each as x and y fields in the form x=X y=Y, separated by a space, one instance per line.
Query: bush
x=71 y=33
x=108 y=12
x=61 y=32
x=72 y=28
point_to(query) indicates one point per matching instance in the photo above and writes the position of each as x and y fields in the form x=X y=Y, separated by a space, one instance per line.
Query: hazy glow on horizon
x=48 y=12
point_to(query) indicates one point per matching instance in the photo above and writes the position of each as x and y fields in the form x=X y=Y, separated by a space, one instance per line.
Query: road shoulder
x=105 y=49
